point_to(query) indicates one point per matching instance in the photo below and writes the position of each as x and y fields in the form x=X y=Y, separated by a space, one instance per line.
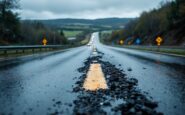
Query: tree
x=9 y=21
x=62 y=33
x=63 y=38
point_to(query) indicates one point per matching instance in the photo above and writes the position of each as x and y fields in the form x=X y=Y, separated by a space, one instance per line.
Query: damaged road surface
x=93 y=80
x=121 y=96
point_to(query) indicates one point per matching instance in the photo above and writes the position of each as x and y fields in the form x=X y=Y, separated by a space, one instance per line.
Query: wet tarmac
x=44 y=84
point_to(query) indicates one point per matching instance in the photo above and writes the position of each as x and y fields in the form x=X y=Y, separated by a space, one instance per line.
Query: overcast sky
x=89 y=9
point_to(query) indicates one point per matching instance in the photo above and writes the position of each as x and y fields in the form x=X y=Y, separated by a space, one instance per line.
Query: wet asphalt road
x=34 y=84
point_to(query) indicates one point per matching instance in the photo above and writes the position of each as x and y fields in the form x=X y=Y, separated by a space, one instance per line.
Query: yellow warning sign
x=121 y=42
x=159 y=40
x=44 y=41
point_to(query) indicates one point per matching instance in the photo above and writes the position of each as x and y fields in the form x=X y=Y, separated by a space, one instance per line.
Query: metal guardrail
x=31 y=46
x=166 y=47
x=17 y=49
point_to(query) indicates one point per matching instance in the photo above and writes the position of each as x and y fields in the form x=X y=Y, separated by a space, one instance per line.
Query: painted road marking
x=94 y=49
x=95 y=78
x=94 y=52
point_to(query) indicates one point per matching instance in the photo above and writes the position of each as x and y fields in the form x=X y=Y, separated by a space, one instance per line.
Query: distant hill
x=113 y=22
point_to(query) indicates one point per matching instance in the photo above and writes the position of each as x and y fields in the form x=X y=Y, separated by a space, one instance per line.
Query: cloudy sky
x=89 y=9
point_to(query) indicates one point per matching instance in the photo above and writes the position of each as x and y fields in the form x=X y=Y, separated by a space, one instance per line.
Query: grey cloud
x=86 y=8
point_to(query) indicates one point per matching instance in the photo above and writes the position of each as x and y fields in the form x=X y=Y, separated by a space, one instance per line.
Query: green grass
x=168 y=51
x=71 y=33
x=160 y=50
x=107 y=32
x=76 y=27
x=85 y=41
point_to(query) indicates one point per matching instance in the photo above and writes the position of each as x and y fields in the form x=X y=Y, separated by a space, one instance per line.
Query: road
x=43 y=84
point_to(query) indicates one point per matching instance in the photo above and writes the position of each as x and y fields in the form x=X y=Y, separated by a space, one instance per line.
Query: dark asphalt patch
x=100 y=102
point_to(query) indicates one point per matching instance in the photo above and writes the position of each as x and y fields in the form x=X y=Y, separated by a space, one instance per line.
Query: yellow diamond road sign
x=121 y=42
x=159 y=40
x=44 y=41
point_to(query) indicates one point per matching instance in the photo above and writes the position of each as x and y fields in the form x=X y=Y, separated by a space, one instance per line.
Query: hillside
x=112 y=22
x=167 y=21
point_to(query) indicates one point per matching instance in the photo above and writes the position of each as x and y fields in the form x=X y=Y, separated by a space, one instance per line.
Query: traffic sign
x=159 y=40
x=138 y=41
x=121 y=42
x=44 y=41
x=129 y=43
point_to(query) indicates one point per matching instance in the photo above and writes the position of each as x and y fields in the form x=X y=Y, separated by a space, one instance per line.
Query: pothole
x=120 y=95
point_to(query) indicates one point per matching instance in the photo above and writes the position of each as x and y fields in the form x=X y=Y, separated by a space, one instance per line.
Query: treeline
x=16 y=32
x=33 y=32
x=168 y=21
x=9 y=22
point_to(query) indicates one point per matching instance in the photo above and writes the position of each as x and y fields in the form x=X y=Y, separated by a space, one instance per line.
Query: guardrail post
x=5 y=51
x=33 y=50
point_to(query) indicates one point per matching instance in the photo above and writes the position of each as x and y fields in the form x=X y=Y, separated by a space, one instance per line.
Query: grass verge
x=170 y=51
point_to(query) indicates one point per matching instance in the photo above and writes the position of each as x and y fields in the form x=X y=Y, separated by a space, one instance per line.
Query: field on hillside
x=70 y=33
x=107 y=32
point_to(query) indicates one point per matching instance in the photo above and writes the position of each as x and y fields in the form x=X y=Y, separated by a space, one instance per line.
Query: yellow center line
x=95 y=78
x=94 y=48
